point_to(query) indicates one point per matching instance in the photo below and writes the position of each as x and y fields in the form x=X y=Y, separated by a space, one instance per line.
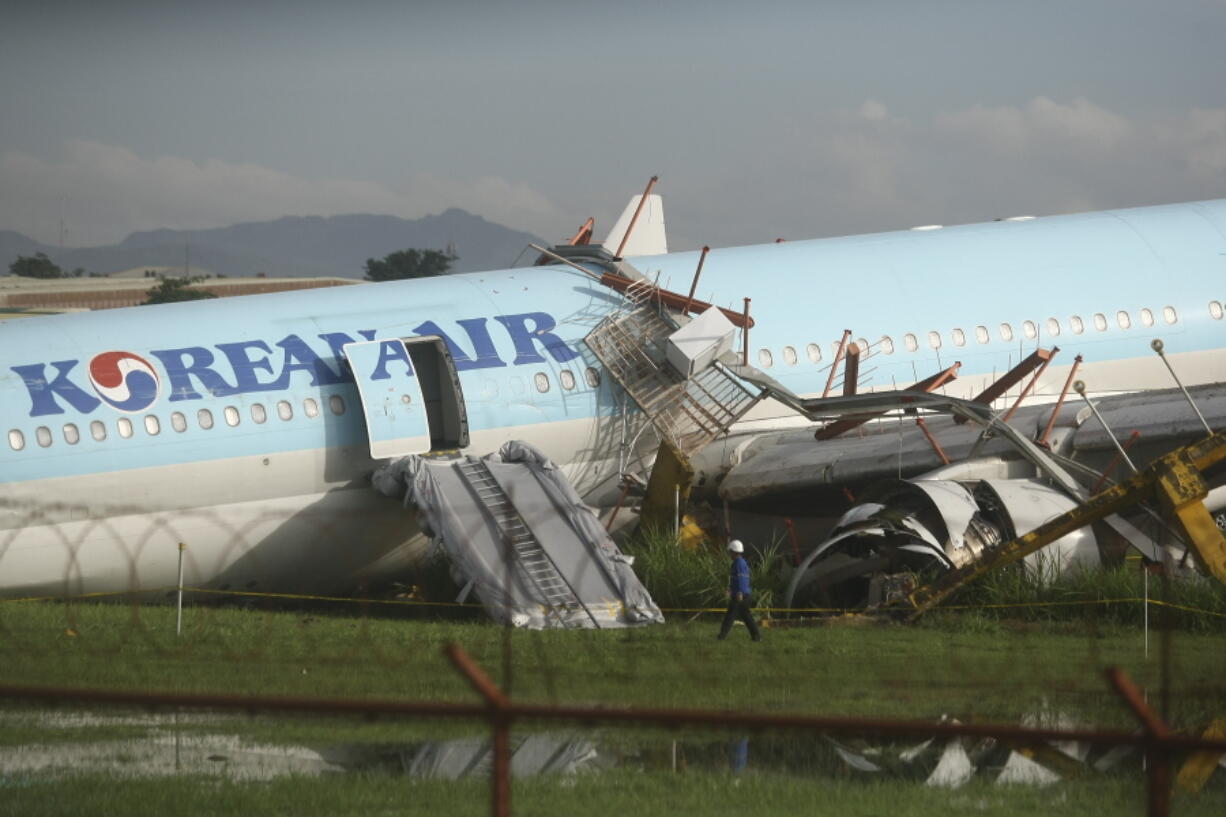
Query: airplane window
x=1077 y=325
x=43 y=435
x=934 y=339
x=310 y=407
x=1215 y=310
x=789 y=355
x=1100 y=322
x=178 y=422
x=959 y=337
x=17 y=440
x=910 y=341
x=97 y=430
x=1053 y=327
x=567 y=379
x=258 y=414
x=517 y=385
x=887 y=344
x=981 y=334
x=764 y=357
x=1029 y=329
x=336 y=403
x=592 y=377
x=542 y=382
x=814 y=352
x=1123 y=319
x=125 y=427
x=1006 y=332
x=1169 y=315
x=1147 y=317
x=284 y=410
x=205 y=418
x=231 y=415
x=71 y=435
x=152 y=425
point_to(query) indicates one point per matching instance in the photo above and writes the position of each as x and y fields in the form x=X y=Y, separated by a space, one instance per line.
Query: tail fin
x=648 y=237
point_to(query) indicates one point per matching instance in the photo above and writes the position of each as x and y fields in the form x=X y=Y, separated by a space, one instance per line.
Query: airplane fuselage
x=236 y=427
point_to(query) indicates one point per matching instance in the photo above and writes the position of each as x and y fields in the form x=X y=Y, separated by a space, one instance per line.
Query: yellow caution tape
x=673 y=610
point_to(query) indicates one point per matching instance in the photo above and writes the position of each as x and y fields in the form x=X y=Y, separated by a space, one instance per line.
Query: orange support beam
x=834 y=366
x=928 y=384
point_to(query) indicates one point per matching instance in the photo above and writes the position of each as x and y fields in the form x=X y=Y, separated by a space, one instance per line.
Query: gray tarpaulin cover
x=598 y=573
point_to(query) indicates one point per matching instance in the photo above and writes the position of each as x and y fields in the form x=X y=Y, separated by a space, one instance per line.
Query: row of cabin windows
x=1029 y=329
x=178 y=421
x=204 y=417
x=567 y=379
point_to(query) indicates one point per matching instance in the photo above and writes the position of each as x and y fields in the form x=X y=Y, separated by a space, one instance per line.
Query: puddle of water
x=165 y=750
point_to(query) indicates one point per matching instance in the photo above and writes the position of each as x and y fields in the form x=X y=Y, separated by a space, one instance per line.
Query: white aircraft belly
x=308 y=521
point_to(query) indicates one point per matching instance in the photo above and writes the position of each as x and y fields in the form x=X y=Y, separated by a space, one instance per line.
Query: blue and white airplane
x=246 y=428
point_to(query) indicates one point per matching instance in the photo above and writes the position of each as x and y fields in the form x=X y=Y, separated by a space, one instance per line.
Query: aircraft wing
x=789 y=462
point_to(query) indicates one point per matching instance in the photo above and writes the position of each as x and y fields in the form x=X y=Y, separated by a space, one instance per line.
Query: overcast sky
x=793 y=119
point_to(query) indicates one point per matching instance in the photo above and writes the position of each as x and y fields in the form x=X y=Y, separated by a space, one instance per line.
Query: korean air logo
x=124 y=381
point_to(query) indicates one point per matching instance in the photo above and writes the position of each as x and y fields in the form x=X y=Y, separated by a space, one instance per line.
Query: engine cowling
x=905 y=533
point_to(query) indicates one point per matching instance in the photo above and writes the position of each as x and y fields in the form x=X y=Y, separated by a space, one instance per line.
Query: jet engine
x=904 y=533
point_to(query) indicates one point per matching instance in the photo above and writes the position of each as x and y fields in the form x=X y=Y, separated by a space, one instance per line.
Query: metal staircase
x=531 y=560
x=687 y=412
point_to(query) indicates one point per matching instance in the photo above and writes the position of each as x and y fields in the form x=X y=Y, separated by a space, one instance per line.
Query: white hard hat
x=735 y=546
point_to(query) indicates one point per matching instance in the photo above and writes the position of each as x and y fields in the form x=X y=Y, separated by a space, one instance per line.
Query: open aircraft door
x=411 y=395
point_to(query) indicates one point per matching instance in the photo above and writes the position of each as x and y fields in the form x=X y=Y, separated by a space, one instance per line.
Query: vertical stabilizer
x=648 y=237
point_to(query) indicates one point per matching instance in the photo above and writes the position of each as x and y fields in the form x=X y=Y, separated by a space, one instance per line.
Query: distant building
x=28 y=296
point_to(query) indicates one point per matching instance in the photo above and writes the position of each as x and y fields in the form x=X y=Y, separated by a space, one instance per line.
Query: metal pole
x=677 y=512
x=693 y=286
x=1145 y=570
x=620 y=500
x=634 y=218
x=834 y=366
x=1156 y=345
x=932 y=441
x=1157 y=755
x=1080 y=388
x=745 y=333
x=1033 y=382
x=1102 y=478
x=179 y=615
x=1072 y=372
x=498 y=703
x=501 y=789
x=795 y=545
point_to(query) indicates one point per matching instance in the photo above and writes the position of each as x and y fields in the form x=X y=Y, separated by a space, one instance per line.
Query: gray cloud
x=848 y=171
x=107 y=192
x=867 y=169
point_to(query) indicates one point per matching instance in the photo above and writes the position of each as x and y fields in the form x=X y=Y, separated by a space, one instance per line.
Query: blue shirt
x=739 y=582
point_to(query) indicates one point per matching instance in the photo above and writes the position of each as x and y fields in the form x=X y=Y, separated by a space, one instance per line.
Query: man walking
x=738 y=593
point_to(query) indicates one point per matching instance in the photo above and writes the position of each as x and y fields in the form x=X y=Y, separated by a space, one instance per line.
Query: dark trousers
x=739 y=609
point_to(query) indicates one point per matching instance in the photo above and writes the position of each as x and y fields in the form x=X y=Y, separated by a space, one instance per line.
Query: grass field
x=615 y=794
x=970 y=667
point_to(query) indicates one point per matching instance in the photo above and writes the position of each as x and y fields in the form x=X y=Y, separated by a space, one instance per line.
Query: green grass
x=986 y=669
x=1092 y=597
x=971 y=667
x=684 y=580
x=616 y=793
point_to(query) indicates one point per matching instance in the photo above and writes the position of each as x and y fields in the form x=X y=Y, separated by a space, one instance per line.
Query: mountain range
x=293 y=246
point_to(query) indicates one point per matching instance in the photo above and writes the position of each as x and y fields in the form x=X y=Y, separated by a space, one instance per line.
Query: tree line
x=397 y=266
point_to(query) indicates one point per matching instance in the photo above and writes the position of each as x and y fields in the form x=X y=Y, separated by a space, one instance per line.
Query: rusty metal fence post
x=500 y=720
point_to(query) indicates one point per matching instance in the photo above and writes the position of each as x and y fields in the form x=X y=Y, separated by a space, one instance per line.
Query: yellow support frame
x=1173 y=480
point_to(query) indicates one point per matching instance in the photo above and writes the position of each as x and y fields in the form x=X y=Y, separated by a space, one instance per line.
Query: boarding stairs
x=687 y=412
x=533 y=563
